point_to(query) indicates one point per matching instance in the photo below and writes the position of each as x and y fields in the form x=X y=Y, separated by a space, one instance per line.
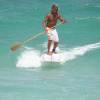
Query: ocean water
x=24 y=77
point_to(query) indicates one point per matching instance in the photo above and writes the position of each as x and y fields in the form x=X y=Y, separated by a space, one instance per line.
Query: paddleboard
x=52 y=58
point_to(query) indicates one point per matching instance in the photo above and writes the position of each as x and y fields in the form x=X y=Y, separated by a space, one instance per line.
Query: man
x=49 y=24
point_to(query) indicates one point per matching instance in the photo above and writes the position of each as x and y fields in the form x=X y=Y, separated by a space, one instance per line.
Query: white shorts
x=52 y=35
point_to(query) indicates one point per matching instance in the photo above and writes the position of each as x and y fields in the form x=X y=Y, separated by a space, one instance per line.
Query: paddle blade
x=15 y=46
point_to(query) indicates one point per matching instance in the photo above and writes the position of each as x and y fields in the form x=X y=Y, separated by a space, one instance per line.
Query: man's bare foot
x=49 y=53
x=54 y=52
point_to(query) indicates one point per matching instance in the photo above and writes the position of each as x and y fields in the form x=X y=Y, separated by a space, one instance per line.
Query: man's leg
x=49 y=45
x=55 y=46
x=55 y=39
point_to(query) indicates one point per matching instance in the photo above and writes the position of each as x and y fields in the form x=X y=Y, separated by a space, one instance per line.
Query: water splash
x=28 y=59
x=78 y=51
x=31 y=58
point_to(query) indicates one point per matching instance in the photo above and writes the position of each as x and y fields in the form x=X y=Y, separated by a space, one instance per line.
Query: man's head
x=54 y=9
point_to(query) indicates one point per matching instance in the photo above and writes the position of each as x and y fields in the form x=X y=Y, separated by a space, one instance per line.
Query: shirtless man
x=49 y=24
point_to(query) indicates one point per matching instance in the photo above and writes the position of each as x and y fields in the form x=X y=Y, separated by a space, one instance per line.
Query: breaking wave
x=31 y=58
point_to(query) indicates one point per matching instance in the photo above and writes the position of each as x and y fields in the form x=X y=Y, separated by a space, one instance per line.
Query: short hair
x=54 y=6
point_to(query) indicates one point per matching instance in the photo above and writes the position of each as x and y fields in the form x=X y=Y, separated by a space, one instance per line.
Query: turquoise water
x=78 y=78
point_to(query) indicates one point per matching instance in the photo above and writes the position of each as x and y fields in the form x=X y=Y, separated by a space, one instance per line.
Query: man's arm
x=44 y=23
x=61 y=19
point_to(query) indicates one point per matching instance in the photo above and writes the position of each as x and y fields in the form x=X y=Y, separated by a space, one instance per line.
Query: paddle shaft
x=35 y=36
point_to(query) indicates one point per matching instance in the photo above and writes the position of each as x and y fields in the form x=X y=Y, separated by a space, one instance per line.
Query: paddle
x=17 y=45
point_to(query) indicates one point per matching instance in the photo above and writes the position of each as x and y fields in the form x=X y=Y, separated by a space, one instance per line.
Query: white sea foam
x=93 y=6
x=87 y=18
x=79 y=51
x=30 y=58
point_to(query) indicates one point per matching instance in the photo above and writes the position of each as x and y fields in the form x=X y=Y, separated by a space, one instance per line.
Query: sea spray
x=79 y=51
x=31 y=58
